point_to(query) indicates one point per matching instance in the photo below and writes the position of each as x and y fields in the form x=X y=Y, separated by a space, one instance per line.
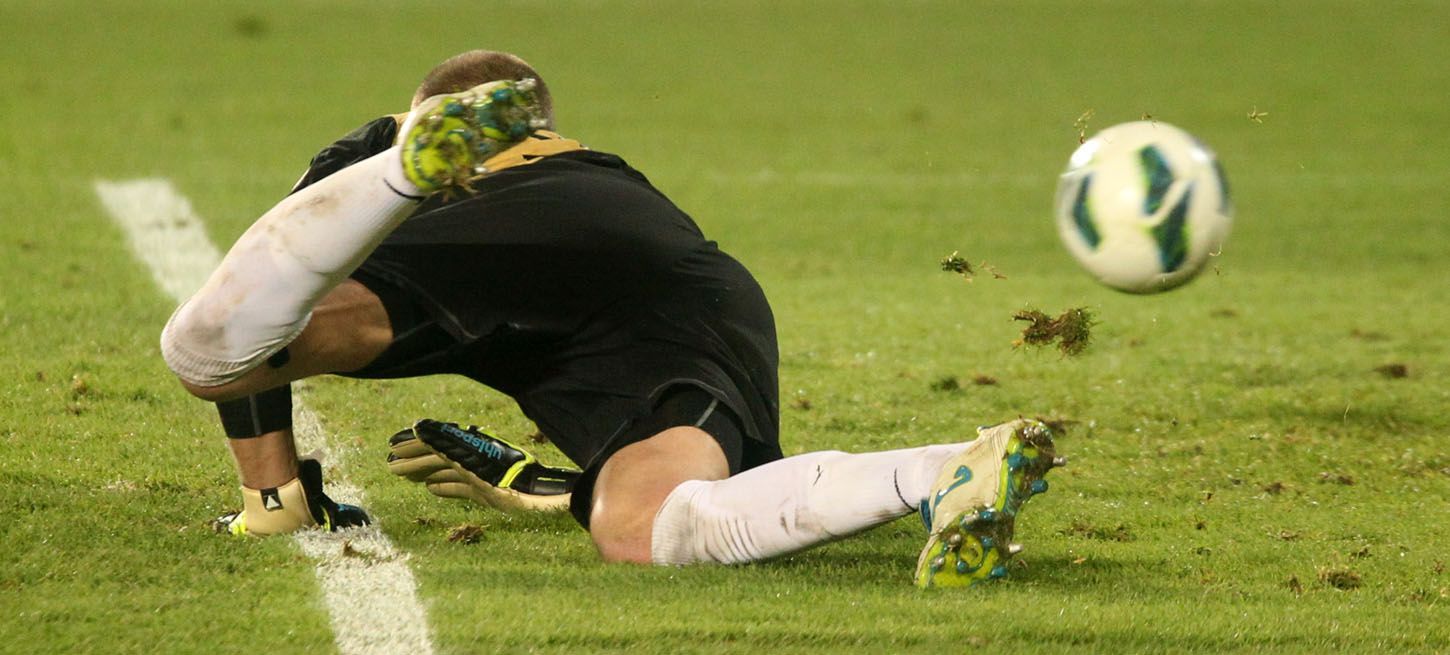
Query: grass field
x=1249 y=473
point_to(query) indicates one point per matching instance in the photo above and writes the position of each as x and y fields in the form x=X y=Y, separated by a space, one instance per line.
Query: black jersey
x=575 y=287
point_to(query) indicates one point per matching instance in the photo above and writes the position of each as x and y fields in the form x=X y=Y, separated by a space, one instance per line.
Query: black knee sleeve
x=256 y=415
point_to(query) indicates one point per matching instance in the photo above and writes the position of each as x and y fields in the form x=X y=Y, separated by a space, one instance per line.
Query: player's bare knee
x=623 y=535
x=215 y=394
x=620 y=548
x=616 y=549
x=251 y=382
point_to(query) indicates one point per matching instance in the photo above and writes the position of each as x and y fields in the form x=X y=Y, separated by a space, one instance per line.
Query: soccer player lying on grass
x=471 y=240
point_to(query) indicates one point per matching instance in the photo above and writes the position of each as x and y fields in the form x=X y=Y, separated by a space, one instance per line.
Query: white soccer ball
x=1142 y=206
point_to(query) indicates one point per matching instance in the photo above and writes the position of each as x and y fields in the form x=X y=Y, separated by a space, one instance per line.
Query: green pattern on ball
x=1225 y=201
x=1172 y=234
x=1082 y=215
x=1157 y=176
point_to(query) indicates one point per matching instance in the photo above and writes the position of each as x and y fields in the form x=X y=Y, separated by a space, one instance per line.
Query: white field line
x=371 y=595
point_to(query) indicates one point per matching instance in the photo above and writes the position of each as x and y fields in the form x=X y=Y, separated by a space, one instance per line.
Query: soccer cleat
x=447 y=139
x=466 y=463
x=974 y=504
x=296 y=505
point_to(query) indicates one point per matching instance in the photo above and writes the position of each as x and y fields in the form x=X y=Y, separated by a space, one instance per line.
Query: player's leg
x=348 y=329
x=276 y=297
x=280 y=493
x=263 y=294
x=971 y=491
x=634 y=483
x=667 y=499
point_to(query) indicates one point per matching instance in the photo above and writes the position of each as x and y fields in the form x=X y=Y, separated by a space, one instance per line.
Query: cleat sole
x=977 y=545
x=447 y=146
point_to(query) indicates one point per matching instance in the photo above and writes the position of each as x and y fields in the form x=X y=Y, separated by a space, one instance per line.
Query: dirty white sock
x=792 y=504
x=262 y=294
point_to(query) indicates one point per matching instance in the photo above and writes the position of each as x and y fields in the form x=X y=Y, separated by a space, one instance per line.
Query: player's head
x=475 y=67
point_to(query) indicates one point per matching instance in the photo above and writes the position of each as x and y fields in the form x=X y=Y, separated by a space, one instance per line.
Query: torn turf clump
x=1072 y=330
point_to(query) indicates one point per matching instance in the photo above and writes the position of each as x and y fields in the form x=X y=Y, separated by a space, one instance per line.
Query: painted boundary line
x=371 y=596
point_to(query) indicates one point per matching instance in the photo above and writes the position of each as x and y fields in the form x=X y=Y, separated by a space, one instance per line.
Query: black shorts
x=680 y=405
x=577 y=289
x=422 y=346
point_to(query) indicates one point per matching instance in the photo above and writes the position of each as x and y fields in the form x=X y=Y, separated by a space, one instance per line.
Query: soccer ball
x=1142 y=206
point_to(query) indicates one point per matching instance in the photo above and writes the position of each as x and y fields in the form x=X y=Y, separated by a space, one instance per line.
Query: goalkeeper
x=467 y=238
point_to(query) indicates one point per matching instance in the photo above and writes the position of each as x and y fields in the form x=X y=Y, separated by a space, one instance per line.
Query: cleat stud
x=987 y=543
x=526 y=84
x=955 y=541
x=538 y=123
x=1059 y=461
x=938 y=562
x=988 y=515
x=1013 y=549
x=962 y=566
x=999 y=572
x=1014 y=461
x=1039 y=486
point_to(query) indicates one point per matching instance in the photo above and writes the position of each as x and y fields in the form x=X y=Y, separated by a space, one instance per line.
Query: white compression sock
x=262 y=294
x=792 y=504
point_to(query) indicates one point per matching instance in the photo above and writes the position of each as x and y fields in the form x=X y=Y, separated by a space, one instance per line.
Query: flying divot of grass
x=1072 y=330
x=955 y=263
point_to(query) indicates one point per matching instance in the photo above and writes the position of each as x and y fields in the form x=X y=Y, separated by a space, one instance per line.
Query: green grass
x=840 y=149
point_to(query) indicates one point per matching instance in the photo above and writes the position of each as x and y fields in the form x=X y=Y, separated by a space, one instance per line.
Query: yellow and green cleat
x=447 y=139
x=973 y=506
